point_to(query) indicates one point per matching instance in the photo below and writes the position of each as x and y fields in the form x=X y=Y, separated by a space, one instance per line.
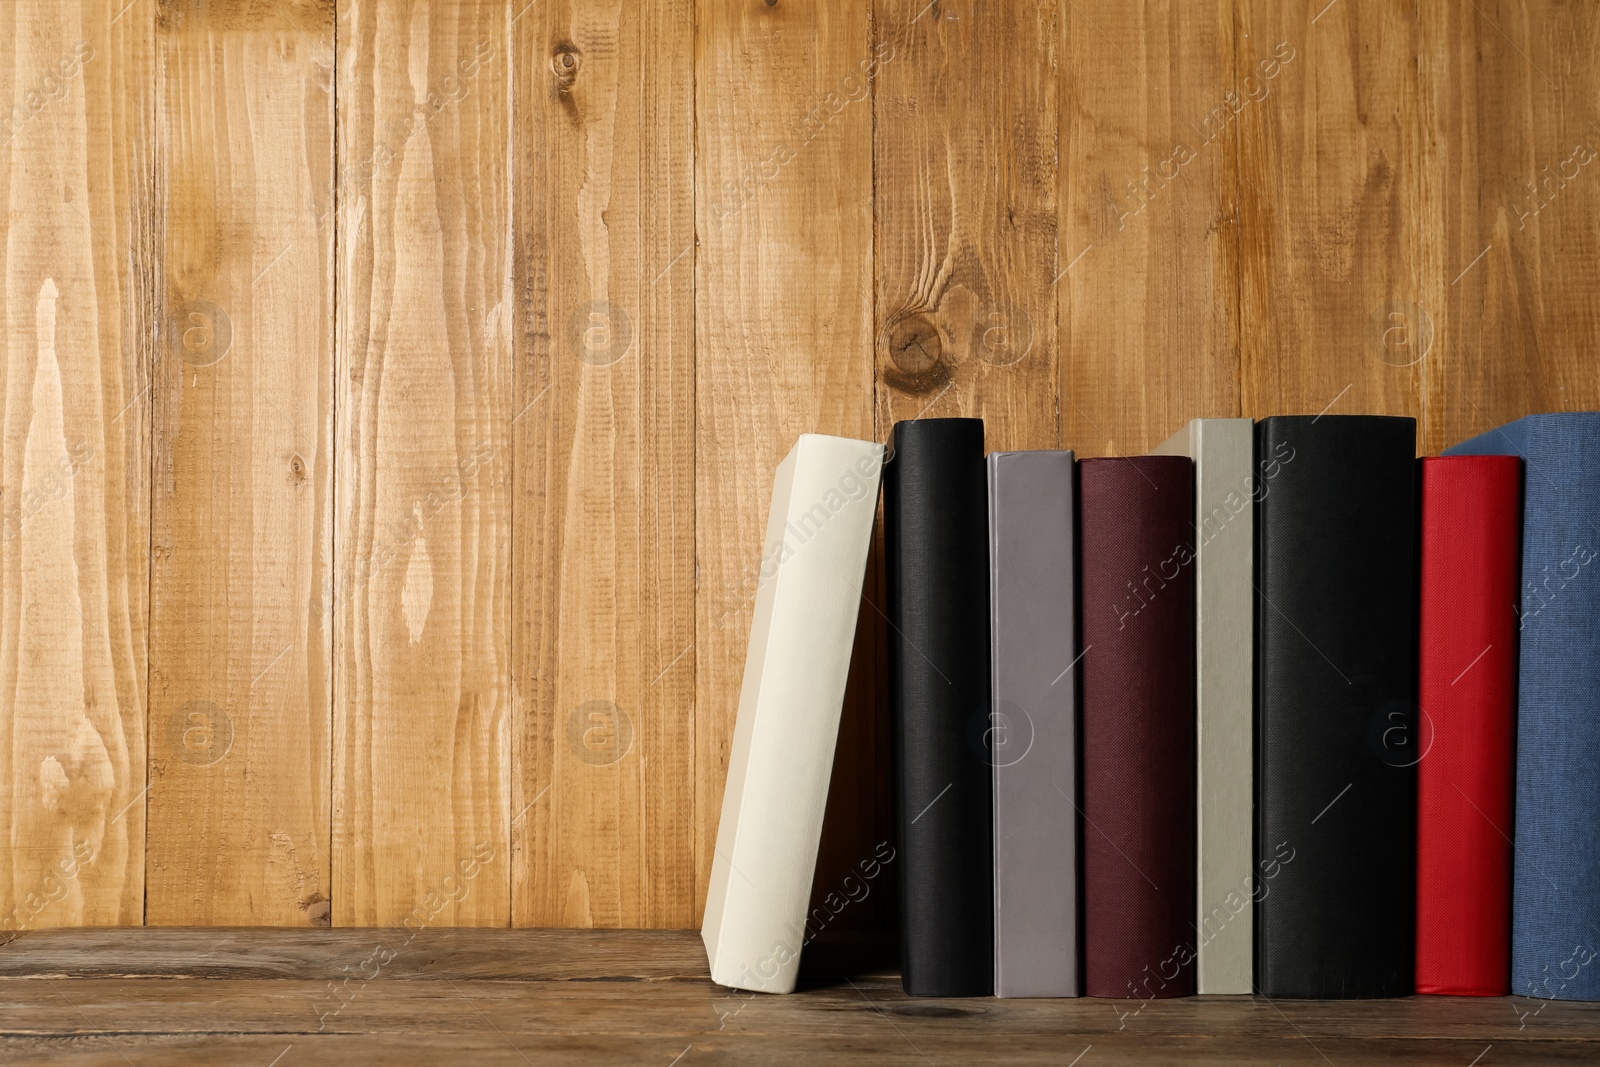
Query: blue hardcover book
x=1555 y=923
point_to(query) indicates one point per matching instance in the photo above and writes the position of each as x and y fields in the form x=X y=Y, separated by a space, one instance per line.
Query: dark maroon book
x=1136 y=556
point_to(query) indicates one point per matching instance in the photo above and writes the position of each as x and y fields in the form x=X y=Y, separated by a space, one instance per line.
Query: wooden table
x=286 y=998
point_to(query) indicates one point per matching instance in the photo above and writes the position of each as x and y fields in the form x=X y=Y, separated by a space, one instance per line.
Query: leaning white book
x=813 y=562
x=1225 y=491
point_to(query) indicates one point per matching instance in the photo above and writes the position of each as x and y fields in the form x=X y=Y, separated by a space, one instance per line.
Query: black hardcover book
x=936 y=547
x=1337 y=738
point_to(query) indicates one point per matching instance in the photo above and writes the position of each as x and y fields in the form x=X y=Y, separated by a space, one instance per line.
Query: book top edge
x=1137 y=461
x=1392 y=419
x=937 y=421
x=1038 y=454
x=1486 y=459
x=1551 y=416
x=1230 y=421
x=1568 y=435
x=823 y=438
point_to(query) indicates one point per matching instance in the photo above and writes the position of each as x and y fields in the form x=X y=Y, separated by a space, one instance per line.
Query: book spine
x=1466 y=683
x=1336 y=738
x=808 y=597
x=1555 y=923
x=937 y=558
x=1032 y=732
x=1137 y=577
x=1225 y=487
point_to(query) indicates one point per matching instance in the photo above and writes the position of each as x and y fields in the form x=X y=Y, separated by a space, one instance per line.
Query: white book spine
x=813 y=563
x=1223 y=451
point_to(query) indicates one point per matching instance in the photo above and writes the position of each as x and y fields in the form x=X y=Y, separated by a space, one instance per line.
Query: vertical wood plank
x=603 y=781
x=783 y=308
x=1148 y=259
x=965 y=215
x=243 y=419
x=76 y=262
x=1330 y=210
x=1512 y=240
x=423 y=349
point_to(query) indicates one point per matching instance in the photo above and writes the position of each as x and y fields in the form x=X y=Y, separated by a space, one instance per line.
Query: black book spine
x=1337 y=739
x=937 y=552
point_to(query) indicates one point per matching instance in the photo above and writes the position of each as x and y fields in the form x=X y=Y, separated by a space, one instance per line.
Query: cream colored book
x=813 y=562
x=1225 y=487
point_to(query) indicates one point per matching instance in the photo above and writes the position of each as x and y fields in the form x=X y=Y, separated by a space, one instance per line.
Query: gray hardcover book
x=1031 y=735
x=1225 y=490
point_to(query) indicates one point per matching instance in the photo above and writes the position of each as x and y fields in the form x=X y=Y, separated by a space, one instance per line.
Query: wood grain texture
x=964 y=99
x=422 y=757
x=1148 y=258
x=243 y=469
x=77 y=266
x=783 y=309
x=1512 y=241
x=828 y=1021
x=413 y=372
x=429 y=954
x=518 y=997
x=1330 y=217
x=517 y=1049
x=604 y=499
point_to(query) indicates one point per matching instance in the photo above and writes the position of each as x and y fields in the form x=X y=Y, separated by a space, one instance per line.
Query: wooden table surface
x=286 y=998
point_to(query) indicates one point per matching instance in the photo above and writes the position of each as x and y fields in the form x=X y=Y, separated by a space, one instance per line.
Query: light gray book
x=1225 y=490
x=814 y=559
x=1031 y=735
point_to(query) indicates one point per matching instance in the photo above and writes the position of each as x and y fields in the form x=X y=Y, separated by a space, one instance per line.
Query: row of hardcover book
x=1277 y=709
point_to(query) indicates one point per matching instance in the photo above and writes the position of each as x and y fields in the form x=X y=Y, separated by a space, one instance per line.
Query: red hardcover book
x=1471 y=548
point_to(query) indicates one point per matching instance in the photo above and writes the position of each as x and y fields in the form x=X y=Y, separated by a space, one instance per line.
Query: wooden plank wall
x=393 y=387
